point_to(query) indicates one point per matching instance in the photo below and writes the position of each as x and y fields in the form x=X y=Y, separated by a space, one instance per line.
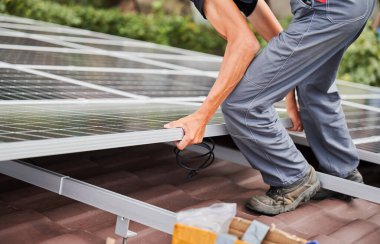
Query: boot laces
x=274 y=192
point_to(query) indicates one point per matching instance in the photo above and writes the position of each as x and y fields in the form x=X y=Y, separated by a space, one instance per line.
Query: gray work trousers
x=305 y=56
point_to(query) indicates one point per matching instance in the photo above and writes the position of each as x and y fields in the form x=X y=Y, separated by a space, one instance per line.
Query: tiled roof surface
x=149 y=173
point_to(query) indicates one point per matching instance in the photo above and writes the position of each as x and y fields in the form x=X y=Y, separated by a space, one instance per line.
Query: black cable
x=185 y=161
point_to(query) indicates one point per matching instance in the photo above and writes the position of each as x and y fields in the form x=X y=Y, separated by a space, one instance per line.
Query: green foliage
x=178 y=31
x=361 y=63
x=94 y=3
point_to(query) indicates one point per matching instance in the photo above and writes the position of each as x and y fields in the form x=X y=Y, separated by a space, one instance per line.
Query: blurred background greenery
x=171 y=22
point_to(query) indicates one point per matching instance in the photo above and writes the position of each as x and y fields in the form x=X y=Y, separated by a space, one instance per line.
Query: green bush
x=178 y=31
x=361 y=63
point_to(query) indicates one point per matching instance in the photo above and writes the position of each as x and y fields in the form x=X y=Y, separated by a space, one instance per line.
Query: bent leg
x=324 y=122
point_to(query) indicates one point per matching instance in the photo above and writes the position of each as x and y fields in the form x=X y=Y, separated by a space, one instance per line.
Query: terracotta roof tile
x=371 y=238
x=77 y=237
x=27 y=227
x=354 y=231
x=213 y=187
x=323 y=239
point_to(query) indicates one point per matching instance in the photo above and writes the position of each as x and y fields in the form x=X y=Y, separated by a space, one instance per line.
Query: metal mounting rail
x=125 y=207
x=329 y=182
x=300 y=138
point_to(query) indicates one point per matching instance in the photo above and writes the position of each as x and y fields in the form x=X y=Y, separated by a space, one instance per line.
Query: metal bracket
x=122 y=228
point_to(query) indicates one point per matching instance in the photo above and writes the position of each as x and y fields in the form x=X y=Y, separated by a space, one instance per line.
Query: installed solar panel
x=24 y=41
x=370 y=147
x=369 y=102
x=67 y=59
x=125 y=48
x=153 y=85
x=51 y=33
x=17 y=85
x=46 y=30
x=200 y=65
x=33 y=122
x=347 y=89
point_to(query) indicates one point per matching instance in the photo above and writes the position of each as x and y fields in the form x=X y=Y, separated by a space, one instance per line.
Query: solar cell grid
x=371 y=147
x=154 y=85
x=25 y=41
x=33 y=122
x=17 y=85
x=125 y=48
x=45 y=30
x=200 y=65
x=67 y=59
x=369 y=102
x=365 y=133
x=344 y=88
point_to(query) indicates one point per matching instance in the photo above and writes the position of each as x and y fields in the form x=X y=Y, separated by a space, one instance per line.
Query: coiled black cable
x=185 y=161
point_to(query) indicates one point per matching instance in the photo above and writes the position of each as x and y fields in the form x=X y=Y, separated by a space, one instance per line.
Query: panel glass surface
x=349 y=89
x=200 y=65
x=67 y=59
x=36 y=122
x=153 y=85
x=128 y=48
x=371 y=147
x=53 y=32
x=17 y=85
x=369 y=102
x=25 y=41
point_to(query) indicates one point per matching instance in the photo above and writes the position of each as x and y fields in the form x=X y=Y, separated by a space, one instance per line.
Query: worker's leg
x=288 y=60
x=324 y=122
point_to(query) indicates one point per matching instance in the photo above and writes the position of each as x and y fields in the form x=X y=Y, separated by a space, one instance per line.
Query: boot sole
x=303 y=197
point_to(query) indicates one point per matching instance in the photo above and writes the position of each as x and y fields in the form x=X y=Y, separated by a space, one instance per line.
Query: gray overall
x=305 y=56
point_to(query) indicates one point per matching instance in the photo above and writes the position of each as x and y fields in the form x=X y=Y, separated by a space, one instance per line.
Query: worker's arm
x=242 y=46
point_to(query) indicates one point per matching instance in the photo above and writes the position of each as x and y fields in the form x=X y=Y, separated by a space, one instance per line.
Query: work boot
x=283 y=199
x=324 y=193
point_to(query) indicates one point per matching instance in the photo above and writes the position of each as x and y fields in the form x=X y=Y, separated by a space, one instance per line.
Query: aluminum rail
x=300 y=138
x=329 y=182
x=120 y=205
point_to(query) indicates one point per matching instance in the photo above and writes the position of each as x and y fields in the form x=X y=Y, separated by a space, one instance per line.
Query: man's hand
x=292 y=109
x=193 y=125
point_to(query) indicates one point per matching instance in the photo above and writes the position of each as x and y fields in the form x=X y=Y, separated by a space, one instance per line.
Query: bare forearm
x=237 y=57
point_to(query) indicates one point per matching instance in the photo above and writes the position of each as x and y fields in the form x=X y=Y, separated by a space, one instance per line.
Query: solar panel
x=52 y=33
x=369 y=102
x=24 y=41
x=46 y=30
x=349 y=89
x=200 y=65
x=125 y=48
x=67 y=59
x=18 y=85
x=153 y=85
x=370 y=147
x=33 y=122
